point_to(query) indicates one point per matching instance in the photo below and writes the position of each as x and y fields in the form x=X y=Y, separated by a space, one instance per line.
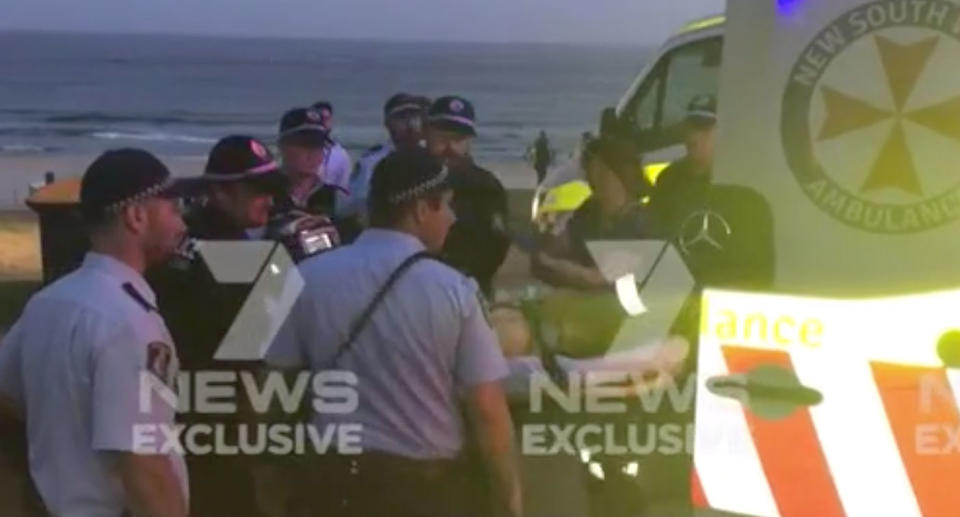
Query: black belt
x=435 y=469
x=354 y=486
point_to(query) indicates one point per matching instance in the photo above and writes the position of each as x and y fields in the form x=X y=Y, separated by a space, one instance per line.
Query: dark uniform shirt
x=199 y=311
x=679 y=191
x=479 y=241
x=587 y=224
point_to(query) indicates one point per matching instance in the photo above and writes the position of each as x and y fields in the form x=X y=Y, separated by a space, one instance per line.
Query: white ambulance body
x=835 y=392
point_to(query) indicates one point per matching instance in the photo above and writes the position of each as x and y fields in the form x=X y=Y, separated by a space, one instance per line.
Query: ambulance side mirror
x=948 y=349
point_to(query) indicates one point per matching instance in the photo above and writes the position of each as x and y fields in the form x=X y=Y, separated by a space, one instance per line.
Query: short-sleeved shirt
x=75 y=362
x=479 y=240
x=426 y=344
x=336 y=167
x=359 y=184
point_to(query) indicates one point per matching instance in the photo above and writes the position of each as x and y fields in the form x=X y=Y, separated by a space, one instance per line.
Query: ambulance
x=652 y=110
x=831 y=388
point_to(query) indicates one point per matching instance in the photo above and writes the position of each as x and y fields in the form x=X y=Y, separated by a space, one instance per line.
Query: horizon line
x=88 y=32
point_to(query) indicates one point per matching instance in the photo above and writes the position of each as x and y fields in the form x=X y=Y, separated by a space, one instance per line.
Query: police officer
x=684 y=185
x=414 y=333
x=403 y=116
x=241 y=179
x=303 y=142
x=336 y=166
x=479 y=241
x=73 y=363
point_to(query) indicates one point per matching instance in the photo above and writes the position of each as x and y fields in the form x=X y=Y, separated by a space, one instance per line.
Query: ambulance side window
x=647 y=104
x=693 y=70
x=660 y=103
x=643 y=110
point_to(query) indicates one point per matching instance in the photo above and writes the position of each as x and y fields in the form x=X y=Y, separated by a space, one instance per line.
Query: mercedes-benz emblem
x=704 y=228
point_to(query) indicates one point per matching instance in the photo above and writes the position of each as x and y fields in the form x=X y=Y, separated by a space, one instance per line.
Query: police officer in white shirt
x=414 y=333
x=404 y=117
x=336 y=161
x=75 y=365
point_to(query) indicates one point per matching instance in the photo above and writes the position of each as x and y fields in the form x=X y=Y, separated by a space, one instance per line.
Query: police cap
x=406 y=175
x=303 y=127
x=118 y=178
x=243 y=158
x=452 y=113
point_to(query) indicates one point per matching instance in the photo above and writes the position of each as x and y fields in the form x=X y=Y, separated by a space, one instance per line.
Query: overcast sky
x=599 y=21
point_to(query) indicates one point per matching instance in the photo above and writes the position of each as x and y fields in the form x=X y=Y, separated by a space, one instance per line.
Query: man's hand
x=487 y=407
x=151 y=486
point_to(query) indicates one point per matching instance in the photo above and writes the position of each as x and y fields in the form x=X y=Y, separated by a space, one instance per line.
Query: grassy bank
x=19 y=263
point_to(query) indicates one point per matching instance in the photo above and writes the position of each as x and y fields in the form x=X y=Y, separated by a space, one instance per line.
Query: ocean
x=176 y=95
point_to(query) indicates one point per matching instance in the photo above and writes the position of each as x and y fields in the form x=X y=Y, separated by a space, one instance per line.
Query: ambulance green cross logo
x=871 y=117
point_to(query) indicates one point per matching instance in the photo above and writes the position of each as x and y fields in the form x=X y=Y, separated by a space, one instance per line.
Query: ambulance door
x=827 y=407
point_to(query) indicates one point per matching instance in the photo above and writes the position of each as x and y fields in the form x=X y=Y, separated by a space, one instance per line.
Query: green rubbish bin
x=63 y=241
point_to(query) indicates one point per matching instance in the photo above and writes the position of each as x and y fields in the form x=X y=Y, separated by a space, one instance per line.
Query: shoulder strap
x=361 y=322
x=137 y=297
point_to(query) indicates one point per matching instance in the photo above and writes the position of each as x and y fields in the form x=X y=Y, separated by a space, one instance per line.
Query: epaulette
x=137 y=297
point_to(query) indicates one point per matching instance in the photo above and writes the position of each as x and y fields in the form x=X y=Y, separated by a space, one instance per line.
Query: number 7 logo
x=276 y=286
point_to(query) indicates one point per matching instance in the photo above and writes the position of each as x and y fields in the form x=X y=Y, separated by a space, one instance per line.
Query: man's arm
x=124 y=370
x=488 y=411
x=151 y=486
x=480 y=369
x=11 y=376
x=550 y=263
x=567 y=273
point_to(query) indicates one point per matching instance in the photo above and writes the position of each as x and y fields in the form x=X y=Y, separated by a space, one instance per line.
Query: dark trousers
x=381 y=485
x=221 y=486
x=18 y=494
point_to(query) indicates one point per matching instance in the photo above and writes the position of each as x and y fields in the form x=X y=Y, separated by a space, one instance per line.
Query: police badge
x=160 y=361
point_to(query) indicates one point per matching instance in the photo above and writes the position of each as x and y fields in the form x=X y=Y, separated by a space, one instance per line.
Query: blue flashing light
x=788 y=6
